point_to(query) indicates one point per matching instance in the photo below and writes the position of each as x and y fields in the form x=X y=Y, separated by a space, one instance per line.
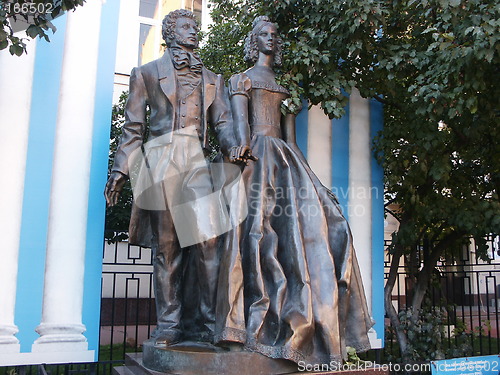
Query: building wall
x=55 y=115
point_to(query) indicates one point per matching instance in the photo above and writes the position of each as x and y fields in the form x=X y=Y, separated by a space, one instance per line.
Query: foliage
x=315 y=59
x=224 y=52
x=118 y=216
x=425 y=333
x=432 y=339
x=37 y=13
x=354 y=360
x=439 y=146
x=441 y=155
x=432 y=63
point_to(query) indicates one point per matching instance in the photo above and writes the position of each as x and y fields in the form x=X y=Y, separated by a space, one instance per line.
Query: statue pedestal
x=202 y=360
x=197 y=359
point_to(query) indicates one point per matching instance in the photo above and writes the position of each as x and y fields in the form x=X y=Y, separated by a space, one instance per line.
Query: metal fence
x=127 y=305
x=464 y=295
x=462 y=307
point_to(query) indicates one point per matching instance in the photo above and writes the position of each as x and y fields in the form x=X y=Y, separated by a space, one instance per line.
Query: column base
x=56 y=357
x=8 y=342
x=60 y=338
x=375 y=342
x=10 y=348
x=60 y=346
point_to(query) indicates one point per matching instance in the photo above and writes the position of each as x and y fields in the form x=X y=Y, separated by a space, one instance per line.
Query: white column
x=61 y=328
x=127 y=51
x=319 y=144
x=16 y=77
x=206 y=19
x=360 y=202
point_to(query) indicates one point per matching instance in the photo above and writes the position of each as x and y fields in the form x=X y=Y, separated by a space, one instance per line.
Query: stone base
x=197 y=359
x=192 y=358
x=9 y=348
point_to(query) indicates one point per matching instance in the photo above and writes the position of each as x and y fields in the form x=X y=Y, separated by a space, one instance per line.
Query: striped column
x=16 y=77
x=206 y=19
x=360 y=205
x=319 y=144
x=339 y=152
x=61 y=328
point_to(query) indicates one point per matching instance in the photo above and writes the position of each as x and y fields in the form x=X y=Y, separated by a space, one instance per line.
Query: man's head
x=180 y=27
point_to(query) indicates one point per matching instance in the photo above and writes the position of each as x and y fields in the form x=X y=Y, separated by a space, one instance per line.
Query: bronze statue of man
x=184 y=99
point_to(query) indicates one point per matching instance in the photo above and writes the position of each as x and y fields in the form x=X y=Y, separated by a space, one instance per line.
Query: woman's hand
x=241 y=154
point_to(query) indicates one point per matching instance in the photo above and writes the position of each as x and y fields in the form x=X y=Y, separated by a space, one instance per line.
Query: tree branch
x=395 y=215
x=390 y=201
x=425 y=273
x=387 y=102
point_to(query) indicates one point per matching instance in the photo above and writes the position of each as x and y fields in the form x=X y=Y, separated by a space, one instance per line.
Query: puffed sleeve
x=239 y=84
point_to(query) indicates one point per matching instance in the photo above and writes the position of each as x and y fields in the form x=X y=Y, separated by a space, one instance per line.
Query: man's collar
x=182 y=59
x=174 y=45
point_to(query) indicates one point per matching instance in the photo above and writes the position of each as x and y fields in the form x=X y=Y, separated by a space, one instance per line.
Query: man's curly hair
x=168 y=24
x=251 y=49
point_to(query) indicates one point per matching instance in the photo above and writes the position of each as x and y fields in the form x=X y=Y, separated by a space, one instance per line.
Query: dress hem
x=275 y=352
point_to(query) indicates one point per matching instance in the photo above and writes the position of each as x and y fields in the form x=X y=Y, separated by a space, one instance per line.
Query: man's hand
x=241 y=154
x=114 y=187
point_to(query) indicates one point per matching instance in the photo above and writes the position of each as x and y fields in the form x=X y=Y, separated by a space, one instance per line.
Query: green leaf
x=16 y=49
x=32 y=31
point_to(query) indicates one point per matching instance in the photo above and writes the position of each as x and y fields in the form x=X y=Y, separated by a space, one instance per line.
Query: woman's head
x=263 y=38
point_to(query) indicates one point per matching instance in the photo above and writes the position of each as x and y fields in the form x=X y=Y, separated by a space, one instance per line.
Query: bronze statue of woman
x=289 y=284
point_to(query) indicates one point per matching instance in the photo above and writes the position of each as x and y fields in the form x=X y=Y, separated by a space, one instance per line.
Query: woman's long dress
x=289 y=284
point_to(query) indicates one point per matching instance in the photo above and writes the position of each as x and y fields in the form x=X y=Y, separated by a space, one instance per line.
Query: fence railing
x=462 y=304
x=465 y=290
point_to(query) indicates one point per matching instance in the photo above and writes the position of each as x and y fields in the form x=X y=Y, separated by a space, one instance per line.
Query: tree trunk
x=421 y=286
x=425 y=274
x=389 y=308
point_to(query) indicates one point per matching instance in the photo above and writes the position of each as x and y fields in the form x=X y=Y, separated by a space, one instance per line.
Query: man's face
x=186 y=32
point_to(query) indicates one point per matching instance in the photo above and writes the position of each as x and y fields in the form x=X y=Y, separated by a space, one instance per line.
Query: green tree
x=433 y=64
x=118 y=216
x=38 y=14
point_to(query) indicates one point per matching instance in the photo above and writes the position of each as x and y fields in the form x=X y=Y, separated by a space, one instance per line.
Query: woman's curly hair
x=251 y=49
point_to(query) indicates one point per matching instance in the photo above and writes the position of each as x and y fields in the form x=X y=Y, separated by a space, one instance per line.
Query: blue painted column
x=61 y=328
x=38 y=179
x=103 y=102
x=377 y=183
x=340 y=160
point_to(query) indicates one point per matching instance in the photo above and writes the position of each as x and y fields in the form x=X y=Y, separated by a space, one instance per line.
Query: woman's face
x=267 y=39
